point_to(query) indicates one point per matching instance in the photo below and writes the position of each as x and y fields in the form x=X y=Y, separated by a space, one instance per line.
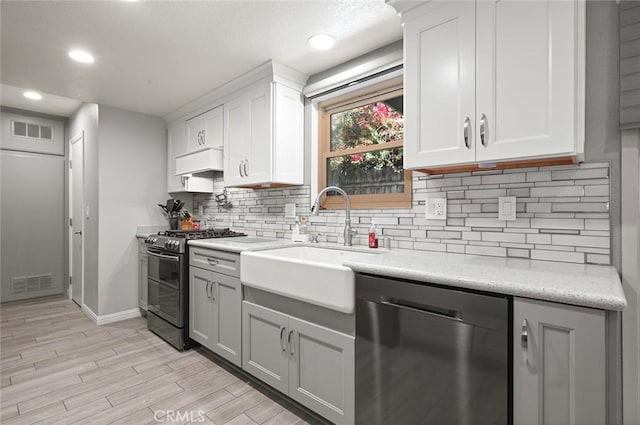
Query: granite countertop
x=577 y=284
x=239 y=244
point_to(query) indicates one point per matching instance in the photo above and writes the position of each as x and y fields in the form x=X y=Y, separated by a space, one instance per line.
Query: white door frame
x=79 y=138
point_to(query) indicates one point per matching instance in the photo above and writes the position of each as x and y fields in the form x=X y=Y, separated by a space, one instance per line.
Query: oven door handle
x=166 y=257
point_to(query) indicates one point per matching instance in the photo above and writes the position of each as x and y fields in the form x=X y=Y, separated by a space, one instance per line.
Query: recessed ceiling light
x=33 y=95
x=321 y=41
x=81 y=56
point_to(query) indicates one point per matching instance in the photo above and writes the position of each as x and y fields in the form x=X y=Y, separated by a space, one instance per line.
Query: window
x=360 y=145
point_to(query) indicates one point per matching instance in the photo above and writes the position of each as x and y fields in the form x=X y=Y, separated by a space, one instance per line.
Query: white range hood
x=205 y=159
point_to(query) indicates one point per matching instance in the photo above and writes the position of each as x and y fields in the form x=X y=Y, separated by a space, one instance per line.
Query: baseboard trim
x=119 y=316
x=89 y=313
x=110 y=318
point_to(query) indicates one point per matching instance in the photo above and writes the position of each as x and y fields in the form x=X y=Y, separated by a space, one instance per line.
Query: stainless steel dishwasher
x=427 y=354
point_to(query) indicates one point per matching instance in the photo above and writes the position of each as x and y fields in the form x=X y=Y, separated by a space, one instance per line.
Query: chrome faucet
x=348 y=231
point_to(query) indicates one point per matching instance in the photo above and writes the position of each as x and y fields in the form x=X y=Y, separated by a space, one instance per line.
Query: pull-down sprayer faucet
x=348 y=231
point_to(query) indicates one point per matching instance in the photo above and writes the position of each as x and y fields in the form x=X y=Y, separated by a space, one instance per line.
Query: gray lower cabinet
x=143 y=288
x=559 y=364
x=215 y=302
x=312 y=364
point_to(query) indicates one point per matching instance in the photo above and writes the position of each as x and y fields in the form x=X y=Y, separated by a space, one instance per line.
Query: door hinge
x=70 y=280
x=70 y=164
x=70 y=222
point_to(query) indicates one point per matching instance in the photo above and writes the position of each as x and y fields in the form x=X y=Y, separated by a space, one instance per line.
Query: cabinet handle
x=240 y=168
x=524 y=341
x=467 y=132
x=282 y=343
x=213 y=297
x=212 y=261
x=204 y=136
x=208 y=282
x=244 y=166
x=290 y=342
x=484 y=130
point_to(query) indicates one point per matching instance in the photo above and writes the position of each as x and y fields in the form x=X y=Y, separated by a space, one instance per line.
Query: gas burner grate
x=201 y=234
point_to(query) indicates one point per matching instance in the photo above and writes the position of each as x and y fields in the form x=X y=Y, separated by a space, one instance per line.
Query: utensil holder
x=174 y=222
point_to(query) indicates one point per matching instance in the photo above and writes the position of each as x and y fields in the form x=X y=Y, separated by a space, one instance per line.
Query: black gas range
x=168 y=281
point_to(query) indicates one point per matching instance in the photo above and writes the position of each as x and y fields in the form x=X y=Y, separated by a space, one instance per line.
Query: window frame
x=375 y=93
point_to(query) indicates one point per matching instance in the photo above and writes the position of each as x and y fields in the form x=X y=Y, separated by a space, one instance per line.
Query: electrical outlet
x=436 y=209
x=507 y=208
x=290 y=210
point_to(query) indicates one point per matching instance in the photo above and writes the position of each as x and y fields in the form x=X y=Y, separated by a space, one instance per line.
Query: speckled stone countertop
x=239 y=244
x=577 y=284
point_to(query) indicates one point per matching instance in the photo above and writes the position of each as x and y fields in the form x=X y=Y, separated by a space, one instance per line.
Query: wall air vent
x=25 y=284
x=33 y=131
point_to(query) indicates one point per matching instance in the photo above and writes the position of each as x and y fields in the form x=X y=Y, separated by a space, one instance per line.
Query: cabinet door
x=258 y=157
x=527 y=78
x=196 y=133
x=322 y=370
x=227 y=300
x=288 y=149
x=264 y=346
x=213 y=128
x=176 y=145
x=440 y=85
x=559 y=370
x=236 y=118
x=201 y=308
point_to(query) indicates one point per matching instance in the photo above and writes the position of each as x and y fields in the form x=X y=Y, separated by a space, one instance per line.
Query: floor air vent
x=26 y=284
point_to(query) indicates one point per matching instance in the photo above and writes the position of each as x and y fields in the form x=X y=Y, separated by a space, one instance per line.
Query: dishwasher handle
x=425 y=309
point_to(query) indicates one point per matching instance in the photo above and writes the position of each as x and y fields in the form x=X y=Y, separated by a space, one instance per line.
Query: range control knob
x=167 y=244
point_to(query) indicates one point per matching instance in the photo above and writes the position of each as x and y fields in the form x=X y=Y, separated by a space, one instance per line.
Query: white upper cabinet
x=176 y=145
x=264 y=140
x=439 y=89
x=252 y=128
x=493 y=81
x=206 y=130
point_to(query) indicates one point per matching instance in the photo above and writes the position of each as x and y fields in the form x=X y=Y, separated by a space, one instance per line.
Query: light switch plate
x=290 y=210
x=507 y=208
x=435 y=209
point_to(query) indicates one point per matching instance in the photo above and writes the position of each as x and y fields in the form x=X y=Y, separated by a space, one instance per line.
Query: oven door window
x=164 y=268
x=165 y=301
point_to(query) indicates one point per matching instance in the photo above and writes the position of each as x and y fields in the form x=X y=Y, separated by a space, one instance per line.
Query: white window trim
x=314 y=121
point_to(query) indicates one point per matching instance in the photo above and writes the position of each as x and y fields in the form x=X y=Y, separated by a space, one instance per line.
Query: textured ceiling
x=155 y=56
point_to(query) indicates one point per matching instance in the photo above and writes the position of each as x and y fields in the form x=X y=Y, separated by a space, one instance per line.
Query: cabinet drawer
x=217 y=261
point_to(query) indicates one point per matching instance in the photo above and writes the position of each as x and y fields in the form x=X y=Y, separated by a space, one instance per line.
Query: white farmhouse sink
x=306 y=273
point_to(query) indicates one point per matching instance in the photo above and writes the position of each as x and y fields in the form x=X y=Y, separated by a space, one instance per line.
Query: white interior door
x=77 y=218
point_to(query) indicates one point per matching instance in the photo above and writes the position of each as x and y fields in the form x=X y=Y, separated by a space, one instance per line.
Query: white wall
x=132 y=179
x=86 y=119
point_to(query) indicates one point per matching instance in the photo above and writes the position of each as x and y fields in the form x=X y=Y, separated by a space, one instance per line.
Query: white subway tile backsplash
x=503 y=237
x=486 y=250
x=504 y=178
x=562 y=214
x=541 y=176
x=567 y=257
x=594 y=241
x=580 y=174
x=518 y=253
x=560 y=223
x=485 y=193
x=557 y=191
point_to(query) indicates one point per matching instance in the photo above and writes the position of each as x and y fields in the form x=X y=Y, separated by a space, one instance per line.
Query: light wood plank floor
x=57 y=367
